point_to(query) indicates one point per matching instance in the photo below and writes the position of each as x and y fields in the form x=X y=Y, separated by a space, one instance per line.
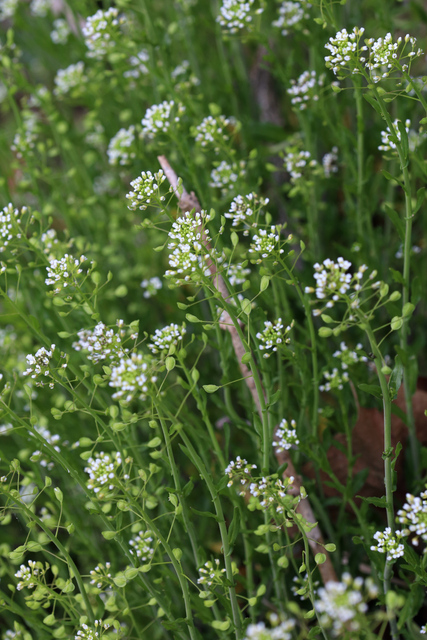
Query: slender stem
x=404 y=161
x=223 y=532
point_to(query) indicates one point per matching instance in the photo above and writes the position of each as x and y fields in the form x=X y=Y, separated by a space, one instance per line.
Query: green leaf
x=373 y=389
x=320 y=558
x=325 y=332
x=373 y=102
x=397 y=276
x=377 y=502
x=330 y=547
x=421 y=194
x=396 y=220
x=396 y=378
x=192 y=318
x=121 y=291
x=205 y=514
x=391 y=178
x=234 y=238
x=154 y=442
x=234 y=529
x=246 y=357
x=58 y=494
x=120 y=580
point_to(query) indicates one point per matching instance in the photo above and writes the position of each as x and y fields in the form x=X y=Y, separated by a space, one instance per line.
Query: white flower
x=384 y=55
x=285 y=436
x=211 y=574
x=121 y=148
x=414 y=516
x=290 y=13
x=101 y=343
x=40 y=8
x=272 y=336
x=236 y=14
x=142 y=545
x=60 y=32
x=188 y=239
x=387 y=142
x=131 y=376
x=225 y=175
x=64 y=272
x=259 y=631
x=101 y=32
x=265 y=243
x=8 y=9
x=102 y=470
x=345 y=51
x=329 y=161
x=67 y=79
x=389 y=544
x=245 y=209
x=298 y=163
x=145 y=188
x=151 y=286
x=214 y=131
x=164 y=338
x=305 y=89
x=137 y=65
x=91 y=633
x=10 y=219
x=160 y=117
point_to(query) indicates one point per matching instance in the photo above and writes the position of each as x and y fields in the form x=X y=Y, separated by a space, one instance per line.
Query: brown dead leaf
x=368 y=445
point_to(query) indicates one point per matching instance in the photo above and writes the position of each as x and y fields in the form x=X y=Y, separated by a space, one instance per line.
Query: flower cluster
x=60 y=32
x=341 y=605
x=213 y=131
x=348 y=356
x=290 y=13
x=121 y=148
x=151 y=286
x=137 y=64
x=329 y=162
x=211 y=574
x=29 y=576
x=239 y=469
x=25 y=138
x=101 y=32
x=286 y=437
x=188 y=238
x=345 y=51
x=298 y=163
x=333 y=281
x=271 y=491
x=386 y=136
x=335 y=379
x=163 y=339
x=273 y=335
x=142 y=545
x=131 y=376
x=245 y=209
x=10 y=220
x=102 y=471
x=236 y=14
x=91 y=633
x=186 y=79
x=101 y=343
x=38 y=365
x=69 y=78
x=101 y=576
x=225 y=175
x=389 y=544
x=145 y=189
x=283 y=631
x=18 y=633
x=384 y=55
x=8 y=9
x=160 y=117
x=236 y=274
x=305 y=89
x=413 y=515
x=265 y=244
x=63 y=272
x=40 y=8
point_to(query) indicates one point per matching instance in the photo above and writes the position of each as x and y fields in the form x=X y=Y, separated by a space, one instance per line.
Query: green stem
x=223 y=532
x=404 y=161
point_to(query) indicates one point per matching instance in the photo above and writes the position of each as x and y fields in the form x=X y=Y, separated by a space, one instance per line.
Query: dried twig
x=187 y=202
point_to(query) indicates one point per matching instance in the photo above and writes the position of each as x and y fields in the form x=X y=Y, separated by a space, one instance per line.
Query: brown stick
x=187 y=202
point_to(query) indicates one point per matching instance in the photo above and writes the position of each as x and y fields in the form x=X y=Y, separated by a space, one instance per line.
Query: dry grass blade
x=187 y=202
